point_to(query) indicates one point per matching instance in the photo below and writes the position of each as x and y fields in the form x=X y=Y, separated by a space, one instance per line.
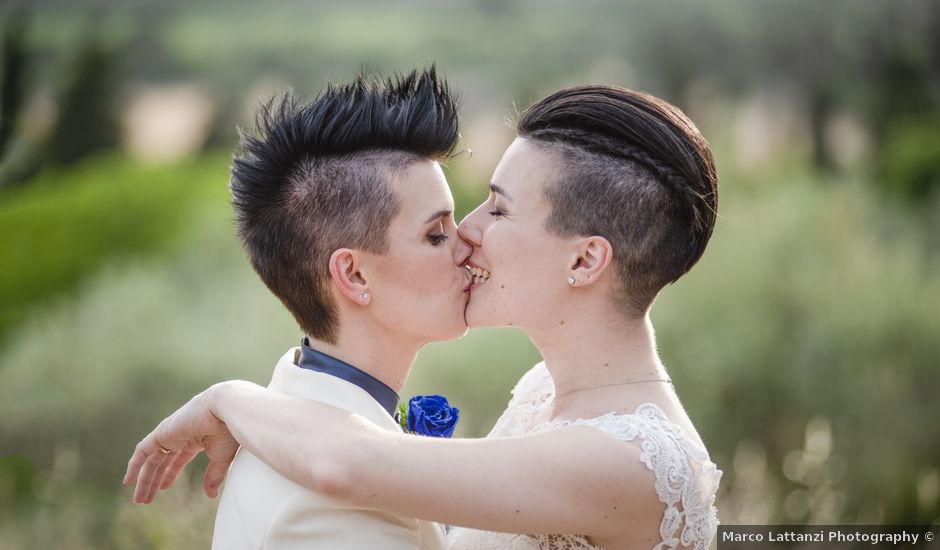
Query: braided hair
x=634 y=170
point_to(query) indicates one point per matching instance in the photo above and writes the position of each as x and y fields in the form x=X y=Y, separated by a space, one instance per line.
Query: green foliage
x=81 y=382
x=12 y=69
x=804 y=345
x=87 y=122
x=910 y=160
x=59 y=228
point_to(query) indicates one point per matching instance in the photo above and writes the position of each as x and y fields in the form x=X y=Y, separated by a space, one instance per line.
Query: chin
x=459 y=332
x=451 y=328
x=449 y=333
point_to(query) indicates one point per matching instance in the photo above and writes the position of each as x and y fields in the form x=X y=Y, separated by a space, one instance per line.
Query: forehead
x=524 y=170
x=422 y=190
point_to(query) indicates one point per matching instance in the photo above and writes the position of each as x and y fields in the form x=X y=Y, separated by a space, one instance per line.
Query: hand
x=160 y=457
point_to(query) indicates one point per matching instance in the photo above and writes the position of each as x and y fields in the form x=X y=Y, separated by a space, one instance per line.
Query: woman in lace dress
x=606 y=196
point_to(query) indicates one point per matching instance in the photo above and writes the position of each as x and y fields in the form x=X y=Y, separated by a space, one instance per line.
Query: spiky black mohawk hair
x=414 y=113
x=315 y=176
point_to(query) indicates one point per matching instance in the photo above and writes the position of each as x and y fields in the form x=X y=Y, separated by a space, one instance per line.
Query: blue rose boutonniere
x=429 y=415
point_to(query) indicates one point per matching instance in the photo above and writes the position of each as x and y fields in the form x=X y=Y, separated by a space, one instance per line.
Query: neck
x=386 y=358
x=592 y=350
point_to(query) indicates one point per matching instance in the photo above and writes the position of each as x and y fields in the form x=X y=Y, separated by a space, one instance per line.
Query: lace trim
x=564 y=542
x=686 y=480
x=530 y=392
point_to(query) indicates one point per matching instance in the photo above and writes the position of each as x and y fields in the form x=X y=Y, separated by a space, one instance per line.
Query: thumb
x=215 y=475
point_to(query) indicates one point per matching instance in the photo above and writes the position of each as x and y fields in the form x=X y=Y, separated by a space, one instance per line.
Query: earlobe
x=347 y=276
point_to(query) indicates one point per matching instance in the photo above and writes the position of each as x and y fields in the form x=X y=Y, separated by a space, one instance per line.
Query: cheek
x=422 y=278
x=428 y=300
x=530 y=270
x=433 y=274
x=521 y=254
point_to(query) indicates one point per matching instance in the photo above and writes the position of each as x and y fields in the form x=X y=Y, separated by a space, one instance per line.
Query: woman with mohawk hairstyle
x=606 y=196
x=344 y=213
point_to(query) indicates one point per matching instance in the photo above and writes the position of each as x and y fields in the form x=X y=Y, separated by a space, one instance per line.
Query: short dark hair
x=314 y=177
x=634 y=170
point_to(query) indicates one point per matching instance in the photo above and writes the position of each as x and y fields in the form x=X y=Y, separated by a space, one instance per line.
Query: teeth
x=479 y=275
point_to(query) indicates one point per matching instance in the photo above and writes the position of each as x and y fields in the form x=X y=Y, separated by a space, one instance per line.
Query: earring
x=364 y=296
x=571 y=280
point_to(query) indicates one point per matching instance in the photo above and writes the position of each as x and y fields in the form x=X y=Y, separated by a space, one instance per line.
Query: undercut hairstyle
x=315 y=177
x=634 y=170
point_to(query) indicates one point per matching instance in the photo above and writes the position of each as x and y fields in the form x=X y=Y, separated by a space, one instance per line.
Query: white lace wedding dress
x=686 y=480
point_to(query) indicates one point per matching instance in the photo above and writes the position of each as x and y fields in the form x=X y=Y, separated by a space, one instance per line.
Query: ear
x=594 y=256
x=344 y=268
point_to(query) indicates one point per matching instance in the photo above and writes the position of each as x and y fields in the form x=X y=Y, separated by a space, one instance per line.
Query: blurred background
x=804 y=344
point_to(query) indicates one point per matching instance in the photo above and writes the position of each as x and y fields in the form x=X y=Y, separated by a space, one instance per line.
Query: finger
x=160 y=473
x=172 y=471
x=145 y=450
x=148 y=476
x=133 y=467
x=141 y=453
x=215 y=475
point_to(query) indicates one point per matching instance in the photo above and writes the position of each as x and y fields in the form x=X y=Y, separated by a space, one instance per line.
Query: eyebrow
x=439 y=214
x=500 y=191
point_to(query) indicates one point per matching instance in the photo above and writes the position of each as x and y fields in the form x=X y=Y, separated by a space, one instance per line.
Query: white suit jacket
x=261 y=509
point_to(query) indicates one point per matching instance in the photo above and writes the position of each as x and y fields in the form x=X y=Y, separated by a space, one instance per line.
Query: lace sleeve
x=686 y=479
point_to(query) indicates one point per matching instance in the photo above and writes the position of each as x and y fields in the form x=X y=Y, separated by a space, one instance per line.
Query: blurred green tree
x=87 y=120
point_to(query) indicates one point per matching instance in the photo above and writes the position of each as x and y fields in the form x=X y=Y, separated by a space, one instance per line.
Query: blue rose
x=432 y=415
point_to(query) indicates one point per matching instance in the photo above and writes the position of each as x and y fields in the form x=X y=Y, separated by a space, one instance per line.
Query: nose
x=462 y=250
x=470 y=230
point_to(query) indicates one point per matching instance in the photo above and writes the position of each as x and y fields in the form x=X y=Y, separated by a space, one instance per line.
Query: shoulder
x=679 y=480
x=605 y=475
x=662 y=447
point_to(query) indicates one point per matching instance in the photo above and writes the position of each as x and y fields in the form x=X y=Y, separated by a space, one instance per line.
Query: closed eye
x=438 y=239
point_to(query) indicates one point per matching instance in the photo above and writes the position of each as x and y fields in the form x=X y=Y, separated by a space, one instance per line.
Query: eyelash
x=497 y=213
x=437 y=239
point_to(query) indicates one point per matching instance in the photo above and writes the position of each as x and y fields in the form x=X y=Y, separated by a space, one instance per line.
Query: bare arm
x=571 y=480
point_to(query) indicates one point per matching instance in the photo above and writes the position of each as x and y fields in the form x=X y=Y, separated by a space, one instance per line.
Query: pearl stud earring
x=364 y=295
x=571 y=279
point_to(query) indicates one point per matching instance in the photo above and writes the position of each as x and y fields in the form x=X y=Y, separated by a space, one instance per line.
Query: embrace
x=606 y=196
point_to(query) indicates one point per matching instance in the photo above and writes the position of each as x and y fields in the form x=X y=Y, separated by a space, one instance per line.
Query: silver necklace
x=667 y=380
